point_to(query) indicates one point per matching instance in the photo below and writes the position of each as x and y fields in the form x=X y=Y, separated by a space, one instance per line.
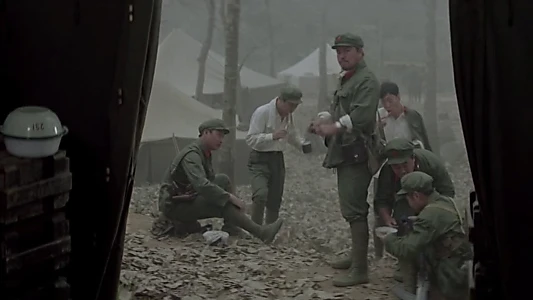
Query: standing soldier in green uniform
x=348 y=128
x=271 y=128
x=403 y=158
x=438 y=234
x=191 y=191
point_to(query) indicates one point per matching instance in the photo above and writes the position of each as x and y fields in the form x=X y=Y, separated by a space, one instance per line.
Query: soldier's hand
x=279 y=134
x=391 y=222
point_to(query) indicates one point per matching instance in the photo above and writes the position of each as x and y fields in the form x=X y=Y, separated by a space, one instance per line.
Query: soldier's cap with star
x=398 y=151
x=416 y=182
x=348 y=40
x=291 y=94
x=213 y=124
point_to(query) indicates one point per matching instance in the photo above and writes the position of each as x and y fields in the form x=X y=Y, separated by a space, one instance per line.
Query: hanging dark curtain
x=92 y=62
x=492 y=46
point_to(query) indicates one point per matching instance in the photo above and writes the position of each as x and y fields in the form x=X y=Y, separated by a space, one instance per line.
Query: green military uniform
x=398 y=151
x=267 y=169
x=192 y=191
x=357 y=96
x=439 y=235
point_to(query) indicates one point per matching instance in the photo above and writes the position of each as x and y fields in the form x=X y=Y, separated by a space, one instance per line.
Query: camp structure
x=177 y=64
x=305 y=74
x=171 y=123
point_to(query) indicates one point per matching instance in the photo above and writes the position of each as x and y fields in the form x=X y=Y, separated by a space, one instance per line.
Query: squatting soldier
x=438 y=234
x=403 y=158
x=191 y=191
x=271 y=128
x=347 y=128
x=397 y=121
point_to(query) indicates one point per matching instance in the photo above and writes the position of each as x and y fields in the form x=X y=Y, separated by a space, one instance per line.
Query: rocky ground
x=294 y=267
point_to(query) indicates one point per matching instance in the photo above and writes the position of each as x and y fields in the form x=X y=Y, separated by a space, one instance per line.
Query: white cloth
x=264 y=122
x=394 y=127
x=212 y=237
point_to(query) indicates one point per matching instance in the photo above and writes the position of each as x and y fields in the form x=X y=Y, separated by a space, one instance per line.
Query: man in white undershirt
x=271 y=129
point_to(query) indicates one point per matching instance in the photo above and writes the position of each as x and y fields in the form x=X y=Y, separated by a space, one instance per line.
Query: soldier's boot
x=271 y=216
x=258 y=212
x=409 y=276
x=266 y=233
x=358 y=272
x=343 y=263
x=398 y=275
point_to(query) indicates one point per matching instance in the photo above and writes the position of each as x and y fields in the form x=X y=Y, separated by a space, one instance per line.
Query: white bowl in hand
x=32 y=131
x=383 y=231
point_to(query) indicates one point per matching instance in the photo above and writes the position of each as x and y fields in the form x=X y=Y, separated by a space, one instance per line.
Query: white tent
x=172 y=113
x=309 y=66
x=177 y=64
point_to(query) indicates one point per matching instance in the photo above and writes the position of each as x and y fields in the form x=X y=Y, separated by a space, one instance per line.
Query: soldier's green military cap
x=213 y=124
x=291 y=94
x=398 y=151
x=348 y=40
x=416 y=182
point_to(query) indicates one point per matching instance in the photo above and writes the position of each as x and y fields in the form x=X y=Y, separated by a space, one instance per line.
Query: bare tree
x=323 y=99
x=204 y=52
x=231 y=74
x=430 y=103
x=270 y=29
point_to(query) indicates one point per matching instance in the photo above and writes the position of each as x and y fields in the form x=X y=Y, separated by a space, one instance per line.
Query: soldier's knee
x=223 y=181
x=260 y=195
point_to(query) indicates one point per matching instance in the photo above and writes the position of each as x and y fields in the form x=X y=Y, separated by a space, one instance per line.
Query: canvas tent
x=305 y=73
x=177 y=64
x=173 y=113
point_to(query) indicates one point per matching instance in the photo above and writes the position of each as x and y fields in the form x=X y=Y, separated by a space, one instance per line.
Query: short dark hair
x=388 y=87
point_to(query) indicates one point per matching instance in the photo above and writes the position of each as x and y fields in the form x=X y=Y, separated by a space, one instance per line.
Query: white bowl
x=384 y=230
x=32 y=132
x=32 y=122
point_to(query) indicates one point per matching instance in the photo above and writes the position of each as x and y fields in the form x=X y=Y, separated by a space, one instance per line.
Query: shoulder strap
x=454 y=211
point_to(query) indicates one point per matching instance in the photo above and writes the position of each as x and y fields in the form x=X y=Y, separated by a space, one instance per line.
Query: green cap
x=416 y=182
x=398 y=151
x=213 y=124
x=348 y=40
x=291 y=94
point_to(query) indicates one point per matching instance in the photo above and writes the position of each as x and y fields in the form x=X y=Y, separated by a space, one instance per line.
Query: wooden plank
x=23 y=212
x=32 y=233
x=27 y=260
x=36 y=191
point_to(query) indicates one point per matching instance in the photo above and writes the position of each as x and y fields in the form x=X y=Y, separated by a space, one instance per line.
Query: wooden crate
x=30 y=187
x=57 y=289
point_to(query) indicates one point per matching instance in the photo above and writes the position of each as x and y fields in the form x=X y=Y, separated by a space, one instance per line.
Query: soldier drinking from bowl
x=271 y=128
x=403 y=158
x=191 y=191
x=438 y=233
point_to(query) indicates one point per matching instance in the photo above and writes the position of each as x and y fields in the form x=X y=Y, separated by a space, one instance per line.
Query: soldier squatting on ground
x=403 y=158
x=438 y=234
x=191 y=191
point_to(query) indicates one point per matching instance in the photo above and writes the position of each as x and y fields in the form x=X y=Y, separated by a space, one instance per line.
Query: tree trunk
x=204 y=52
x=323 y=99
x=272 y=69
x=231 y=74
x=430 y=103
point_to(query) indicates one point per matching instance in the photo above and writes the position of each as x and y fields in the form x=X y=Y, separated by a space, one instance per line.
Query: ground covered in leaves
x=294 y=267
